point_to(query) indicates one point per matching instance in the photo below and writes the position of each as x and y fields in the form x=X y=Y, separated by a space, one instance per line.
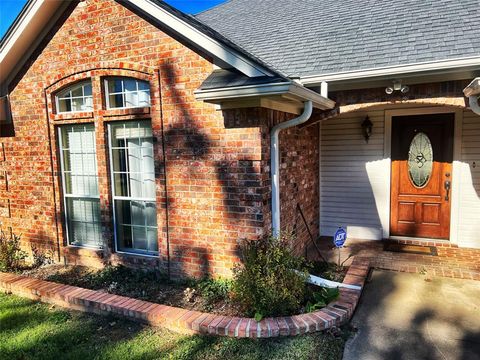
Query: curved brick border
x=187 y=321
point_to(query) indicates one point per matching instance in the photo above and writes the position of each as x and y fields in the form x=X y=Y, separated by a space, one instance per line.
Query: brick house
x=134 y=133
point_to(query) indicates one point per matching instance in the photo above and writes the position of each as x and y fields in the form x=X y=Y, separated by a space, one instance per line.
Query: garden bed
x=206 y=295
x=329 y=317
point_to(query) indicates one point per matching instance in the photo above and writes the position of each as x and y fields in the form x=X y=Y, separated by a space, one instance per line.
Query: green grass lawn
x=32 y=330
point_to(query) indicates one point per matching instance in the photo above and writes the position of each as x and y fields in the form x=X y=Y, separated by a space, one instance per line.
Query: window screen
x=75 y=98
x=127 y=93
x=80 y=184
x=133 y=183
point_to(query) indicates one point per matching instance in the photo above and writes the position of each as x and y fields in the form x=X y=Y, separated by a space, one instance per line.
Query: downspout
x=275 y=161
x=473 y=103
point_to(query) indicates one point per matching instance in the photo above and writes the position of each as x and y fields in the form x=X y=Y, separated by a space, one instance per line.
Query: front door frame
x=457 y=137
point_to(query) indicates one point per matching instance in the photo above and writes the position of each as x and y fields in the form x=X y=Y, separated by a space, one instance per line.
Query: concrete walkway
x=413 y=316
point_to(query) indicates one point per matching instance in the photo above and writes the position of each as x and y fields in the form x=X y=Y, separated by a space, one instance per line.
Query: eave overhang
x=285 y=96
x=417 y=73
x=22 y=38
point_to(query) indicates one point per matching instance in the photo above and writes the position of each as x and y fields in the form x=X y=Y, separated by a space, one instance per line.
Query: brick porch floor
x=452 y=261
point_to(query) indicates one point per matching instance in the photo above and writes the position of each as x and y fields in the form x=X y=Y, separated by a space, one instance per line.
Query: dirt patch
x=148 y=286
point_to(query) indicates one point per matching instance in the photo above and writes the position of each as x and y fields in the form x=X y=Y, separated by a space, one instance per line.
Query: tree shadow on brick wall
x=190 y=153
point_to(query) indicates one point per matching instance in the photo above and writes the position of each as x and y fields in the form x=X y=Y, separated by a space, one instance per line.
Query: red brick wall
x=211 y=172
x=299 y=183
x=299 y=172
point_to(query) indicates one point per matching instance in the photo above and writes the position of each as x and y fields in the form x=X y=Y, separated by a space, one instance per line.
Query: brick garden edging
x=188 y=321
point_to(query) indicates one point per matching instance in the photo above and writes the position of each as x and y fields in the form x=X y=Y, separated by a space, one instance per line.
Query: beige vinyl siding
x=469 y=204
x=353 y=176
x=355 y=179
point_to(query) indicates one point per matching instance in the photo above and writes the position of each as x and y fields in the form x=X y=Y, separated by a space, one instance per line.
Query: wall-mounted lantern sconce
x=367 y=127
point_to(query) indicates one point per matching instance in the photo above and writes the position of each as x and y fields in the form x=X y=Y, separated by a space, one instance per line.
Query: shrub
x=214 y=290
x=11 y=255
x=266 y=284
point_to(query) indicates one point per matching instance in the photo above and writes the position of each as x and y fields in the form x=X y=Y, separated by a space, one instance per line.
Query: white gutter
x=238 y=92
x=275 y=161
x=473 y=93
x=473 y=61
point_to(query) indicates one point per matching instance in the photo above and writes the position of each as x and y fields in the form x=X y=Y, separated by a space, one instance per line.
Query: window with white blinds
x=80 y=184
x=133 y=184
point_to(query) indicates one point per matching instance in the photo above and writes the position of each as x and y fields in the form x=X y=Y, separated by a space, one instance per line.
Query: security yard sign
x=340 y=237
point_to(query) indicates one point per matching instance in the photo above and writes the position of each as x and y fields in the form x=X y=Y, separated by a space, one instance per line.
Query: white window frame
x=69 y=89
x=66 y=195
x=123 y=92
x=115 y=197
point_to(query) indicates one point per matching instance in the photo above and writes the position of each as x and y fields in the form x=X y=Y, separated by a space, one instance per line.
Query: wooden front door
x=422 y=154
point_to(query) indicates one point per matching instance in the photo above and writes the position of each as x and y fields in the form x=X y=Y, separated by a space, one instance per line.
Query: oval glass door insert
x=420 y=160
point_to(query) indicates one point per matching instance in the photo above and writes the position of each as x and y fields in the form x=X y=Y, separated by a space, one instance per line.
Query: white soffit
x=18 y=43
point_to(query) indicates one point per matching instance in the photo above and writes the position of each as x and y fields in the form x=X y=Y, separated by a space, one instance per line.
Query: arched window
x=75 y=98
x=123 y=92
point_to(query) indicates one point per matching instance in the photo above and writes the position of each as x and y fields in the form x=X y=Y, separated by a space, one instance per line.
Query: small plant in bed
x=12 y=257
x=320 y=298
x=214 y=292
x=329 y=271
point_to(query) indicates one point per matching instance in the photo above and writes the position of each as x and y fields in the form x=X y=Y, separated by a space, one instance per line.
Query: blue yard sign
x=340 y=237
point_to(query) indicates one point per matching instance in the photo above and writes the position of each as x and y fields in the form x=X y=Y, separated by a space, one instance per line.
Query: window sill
x=83 y=250
x=137 y=260
x=139 y=254
x=125 y=112
x=72 y=116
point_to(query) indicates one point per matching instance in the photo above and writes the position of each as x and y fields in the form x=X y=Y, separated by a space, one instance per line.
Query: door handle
x=447 y=186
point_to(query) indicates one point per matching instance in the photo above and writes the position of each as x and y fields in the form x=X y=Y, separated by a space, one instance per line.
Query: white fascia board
x=318 y=100
x=243 y=91
x=473 y=61
x=25 y=36
x=31 y=10
x=284 y=88
x=211 y=46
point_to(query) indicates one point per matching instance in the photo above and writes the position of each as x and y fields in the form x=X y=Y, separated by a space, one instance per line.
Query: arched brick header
x=87 y=70
x=458 y=102
x=95 y=74
x=436 y=94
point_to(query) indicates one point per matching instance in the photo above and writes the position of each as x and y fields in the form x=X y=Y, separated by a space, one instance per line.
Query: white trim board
x=467 y=62
x=457 y=138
